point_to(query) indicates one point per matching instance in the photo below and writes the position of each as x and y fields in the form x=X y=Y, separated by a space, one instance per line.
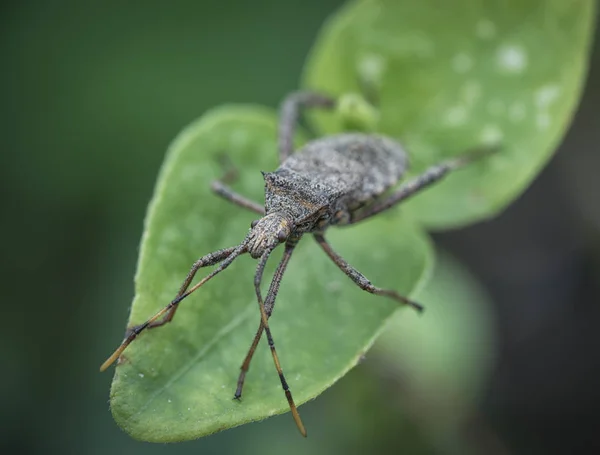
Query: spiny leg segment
x=265 y=323
x=288 y=117
x=269 y=304
x=221 y=188
x=225 y=256
x=358 y=278
x=430 y=176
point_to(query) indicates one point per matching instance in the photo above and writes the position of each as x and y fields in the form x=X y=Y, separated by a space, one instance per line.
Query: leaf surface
x=176 y=382
x=451 y=76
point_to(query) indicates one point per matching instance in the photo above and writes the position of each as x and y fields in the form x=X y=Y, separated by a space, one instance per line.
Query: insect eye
x=281 y=236
x=254 y=223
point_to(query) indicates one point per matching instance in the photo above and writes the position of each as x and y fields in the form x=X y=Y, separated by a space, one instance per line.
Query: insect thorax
x=332 y=175
x=297 y=196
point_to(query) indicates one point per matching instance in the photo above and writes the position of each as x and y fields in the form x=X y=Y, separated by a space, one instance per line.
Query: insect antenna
x=269 y=304
x=135 y=331
x=265 y=323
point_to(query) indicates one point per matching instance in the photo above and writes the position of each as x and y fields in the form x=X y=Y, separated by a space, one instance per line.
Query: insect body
x=336 y=180
x=334 y=177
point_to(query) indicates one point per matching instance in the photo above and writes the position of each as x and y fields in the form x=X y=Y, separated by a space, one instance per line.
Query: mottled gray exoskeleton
x=336 y=180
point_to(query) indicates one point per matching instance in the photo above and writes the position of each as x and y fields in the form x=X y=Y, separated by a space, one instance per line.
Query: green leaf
x=449 y=76
x=176 y=382
x=444 y=359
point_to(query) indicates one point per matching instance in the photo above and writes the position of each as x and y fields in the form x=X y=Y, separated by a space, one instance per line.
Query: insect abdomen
x=359 y=166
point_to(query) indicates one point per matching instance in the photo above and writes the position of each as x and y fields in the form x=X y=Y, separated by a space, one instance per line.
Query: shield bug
x=336 y=180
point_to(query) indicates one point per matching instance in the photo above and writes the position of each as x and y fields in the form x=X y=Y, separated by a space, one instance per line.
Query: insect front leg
x=430 y=176
x=358 y=278
x=288 y=117
x=221 y=188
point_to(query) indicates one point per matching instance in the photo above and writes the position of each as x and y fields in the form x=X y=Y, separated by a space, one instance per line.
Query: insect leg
x=265 y=323
x=226 y=255
x=359 y=278
x=269 y=304
x=226 y=192
x=430 y=176
x=289 y=113
x=221 y=188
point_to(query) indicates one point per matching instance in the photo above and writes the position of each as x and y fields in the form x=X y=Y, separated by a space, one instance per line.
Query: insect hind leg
x=430 y=176
x=289 y=113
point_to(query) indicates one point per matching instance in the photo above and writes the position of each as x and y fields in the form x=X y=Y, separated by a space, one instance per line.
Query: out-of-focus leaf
x=450 y=76
x=442 y=359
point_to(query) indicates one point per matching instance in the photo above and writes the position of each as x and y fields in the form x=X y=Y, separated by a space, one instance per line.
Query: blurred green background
x=92 y=95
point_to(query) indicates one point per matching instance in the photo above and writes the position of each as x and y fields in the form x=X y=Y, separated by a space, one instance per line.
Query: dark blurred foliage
x=92 y=93
x=541 y=262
